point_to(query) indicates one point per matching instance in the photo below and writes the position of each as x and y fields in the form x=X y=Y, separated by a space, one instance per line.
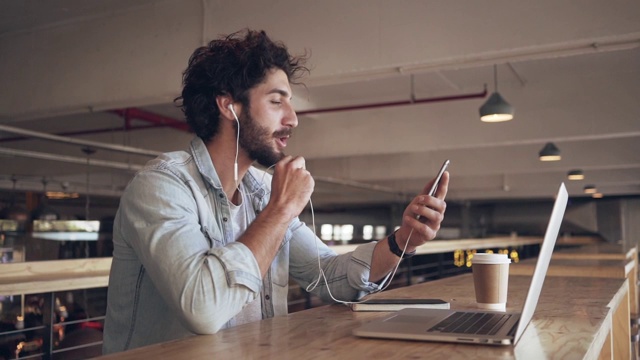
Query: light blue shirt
x=176 y=270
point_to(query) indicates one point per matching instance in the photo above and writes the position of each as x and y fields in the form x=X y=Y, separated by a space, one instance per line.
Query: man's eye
x=276 y=102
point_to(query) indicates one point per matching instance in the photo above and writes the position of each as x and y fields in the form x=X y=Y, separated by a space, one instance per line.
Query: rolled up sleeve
x=347 y=275
x=204 y=281
x=240 y=266
x=360 y=268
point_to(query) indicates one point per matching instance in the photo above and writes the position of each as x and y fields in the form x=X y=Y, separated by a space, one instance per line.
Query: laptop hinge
x=512 y=331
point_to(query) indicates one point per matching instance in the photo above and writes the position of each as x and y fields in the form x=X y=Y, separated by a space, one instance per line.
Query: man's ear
x=224 y=102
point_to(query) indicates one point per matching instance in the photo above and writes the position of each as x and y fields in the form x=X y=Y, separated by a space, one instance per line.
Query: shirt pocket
x=213 y=235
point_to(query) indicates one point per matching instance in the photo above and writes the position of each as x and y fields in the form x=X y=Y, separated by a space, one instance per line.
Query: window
x=381 y=231
x=336 y=232
x=346 y=232
x=367 y=232
x=326 y=232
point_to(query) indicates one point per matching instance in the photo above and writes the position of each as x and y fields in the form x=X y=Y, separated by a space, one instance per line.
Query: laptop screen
x=544 y=258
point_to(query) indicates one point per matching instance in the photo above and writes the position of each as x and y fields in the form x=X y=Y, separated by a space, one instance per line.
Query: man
x=204 y=241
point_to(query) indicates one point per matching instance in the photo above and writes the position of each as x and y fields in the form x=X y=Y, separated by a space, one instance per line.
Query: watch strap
x=395 y=249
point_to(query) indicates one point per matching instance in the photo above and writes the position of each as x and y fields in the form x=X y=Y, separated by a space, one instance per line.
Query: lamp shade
x=576 y=174
x=549 y=153
x=496 y=109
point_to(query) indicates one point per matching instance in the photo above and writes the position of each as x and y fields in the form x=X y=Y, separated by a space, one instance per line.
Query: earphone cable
x=322 y=276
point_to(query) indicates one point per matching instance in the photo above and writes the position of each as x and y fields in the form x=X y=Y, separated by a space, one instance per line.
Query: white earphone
x=235 y=164
x=233 y=111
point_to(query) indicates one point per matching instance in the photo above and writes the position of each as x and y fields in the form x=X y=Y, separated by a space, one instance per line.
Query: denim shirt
x=176 y=270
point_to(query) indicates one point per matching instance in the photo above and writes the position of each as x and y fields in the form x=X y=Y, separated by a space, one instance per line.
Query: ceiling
x=572 y=73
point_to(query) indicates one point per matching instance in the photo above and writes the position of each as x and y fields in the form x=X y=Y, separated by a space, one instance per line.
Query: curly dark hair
x=231 y=65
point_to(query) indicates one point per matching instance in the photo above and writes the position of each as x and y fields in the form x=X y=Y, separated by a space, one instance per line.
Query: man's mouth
x=282 y=141
x=282 y=137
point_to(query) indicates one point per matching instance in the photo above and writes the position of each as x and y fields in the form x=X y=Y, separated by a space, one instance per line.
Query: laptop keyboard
x=471 y=323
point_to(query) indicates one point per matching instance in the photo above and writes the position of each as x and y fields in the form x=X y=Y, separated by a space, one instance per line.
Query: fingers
x=292 y=163
x=292 y=185
x=424 y=215
x=441 y=187
x=428 y=208
x=421 y=229
x=292 y=167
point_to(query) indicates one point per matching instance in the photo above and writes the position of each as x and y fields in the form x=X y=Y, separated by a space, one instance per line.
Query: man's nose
x=290 y=117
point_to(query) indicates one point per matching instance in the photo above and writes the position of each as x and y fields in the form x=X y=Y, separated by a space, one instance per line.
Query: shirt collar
x=205 y=166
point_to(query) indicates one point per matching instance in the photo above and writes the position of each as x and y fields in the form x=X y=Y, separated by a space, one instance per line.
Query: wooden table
x=588 y=267
x=579 y=268
x=51 y=276
x=47 y=278
x=608 y=252
x=591 y=267
x=444 y=246
x=596 y=252
x=574 y=320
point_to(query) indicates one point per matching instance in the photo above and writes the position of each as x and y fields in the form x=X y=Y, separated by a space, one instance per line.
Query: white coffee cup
x=491 y=280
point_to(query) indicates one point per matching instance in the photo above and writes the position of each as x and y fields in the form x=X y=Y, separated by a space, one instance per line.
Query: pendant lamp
x=576 y=174
x=550 y=152
x=496 y=109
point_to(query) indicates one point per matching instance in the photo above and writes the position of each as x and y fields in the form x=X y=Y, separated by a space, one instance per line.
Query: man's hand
x=430 y=210
x=291 y=187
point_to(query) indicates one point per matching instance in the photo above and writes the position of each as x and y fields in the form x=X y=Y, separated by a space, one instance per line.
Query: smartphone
x=434 y=187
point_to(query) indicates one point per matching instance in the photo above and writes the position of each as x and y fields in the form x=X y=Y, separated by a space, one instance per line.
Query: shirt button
x=221 y=195
x=267 y=297
x=224 y=219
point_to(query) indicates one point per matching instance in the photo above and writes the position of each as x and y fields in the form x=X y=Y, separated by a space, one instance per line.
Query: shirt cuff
x=360 y=268
x=240 y=266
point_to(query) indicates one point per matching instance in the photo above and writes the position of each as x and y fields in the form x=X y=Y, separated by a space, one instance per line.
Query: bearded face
x=259 y=142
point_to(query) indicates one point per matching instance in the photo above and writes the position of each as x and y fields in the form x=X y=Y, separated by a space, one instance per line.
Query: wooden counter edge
x=443 y=246
x=56 y=275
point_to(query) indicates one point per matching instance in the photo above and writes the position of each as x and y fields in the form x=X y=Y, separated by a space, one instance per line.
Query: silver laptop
x=469 y=326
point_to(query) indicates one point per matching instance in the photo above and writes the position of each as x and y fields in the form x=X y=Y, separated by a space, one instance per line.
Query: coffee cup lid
x=484 y=258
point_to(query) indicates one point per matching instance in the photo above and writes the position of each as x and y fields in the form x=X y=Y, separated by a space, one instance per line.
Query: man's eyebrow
x=282 y=92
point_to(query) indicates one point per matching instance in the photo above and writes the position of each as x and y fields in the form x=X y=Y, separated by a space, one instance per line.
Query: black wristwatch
x=394 y=248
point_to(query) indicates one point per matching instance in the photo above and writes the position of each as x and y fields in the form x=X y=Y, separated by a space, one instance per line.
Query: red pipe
x=86 y=132
x=128 y=114
x=134 y=113
x=395 y=103
x=159 y=120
